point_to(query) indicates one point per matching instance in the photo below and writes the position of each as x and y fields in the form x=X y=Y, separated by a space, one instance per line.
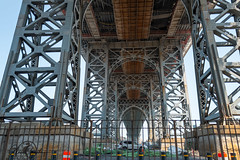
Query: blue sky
x=9 y=11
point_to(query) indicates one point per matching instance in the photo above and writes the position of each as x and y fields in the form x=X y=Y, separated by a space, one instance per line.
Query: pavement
x=109 y=157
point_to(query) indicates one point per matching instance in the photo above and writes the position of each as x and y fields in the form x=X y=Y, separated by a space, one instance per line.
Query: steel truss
x=215 y=35
x=105 y=87
x=41 y=78
x=96 y=81
x=173 y=81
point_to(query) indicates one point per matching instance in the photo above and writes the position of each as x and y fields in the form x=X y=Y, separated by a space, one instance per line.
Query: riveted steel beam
x=215 y=35
x=41 y=78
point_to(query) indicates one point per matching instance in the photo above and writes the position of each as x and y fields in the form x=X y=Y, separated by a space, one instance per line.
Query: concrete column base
x=210 y=138
x=21 y=138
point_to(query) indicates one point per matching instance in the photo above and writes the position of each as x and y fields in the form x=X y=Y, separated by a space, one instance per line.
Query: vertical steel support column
x=174 y=84
x=216 y=53
x=95 y=100
x=112 y=108
x=164 y=98
x=156 y=103
x=42 y=72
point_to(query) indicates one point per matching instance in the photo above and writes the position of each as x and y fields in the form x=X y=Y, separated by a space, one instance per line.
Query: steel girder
x=149 y=57
x=41 y=78
x=215 y=35
x=173 y=81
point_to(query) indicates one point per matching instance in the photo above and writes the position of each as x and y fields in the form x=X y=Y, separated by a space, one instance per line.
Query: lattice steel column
x=156 y=108
x=95 y=100
x=174 y=88
x=41 y=78
x=112 y=114
x=215 y=35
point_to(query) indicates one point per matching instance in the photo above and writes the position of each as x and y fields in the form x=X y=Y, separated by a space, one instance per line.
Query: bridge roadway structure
x=134 y=52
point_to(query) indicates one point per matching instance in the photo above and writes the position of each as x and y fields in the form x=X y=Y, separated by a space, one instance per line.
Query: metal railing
x=119 y=140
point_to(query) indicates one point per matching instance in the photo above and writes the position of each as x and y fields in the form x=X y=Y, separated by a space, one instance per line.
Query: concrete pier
x=21 y=138
x=213 y=139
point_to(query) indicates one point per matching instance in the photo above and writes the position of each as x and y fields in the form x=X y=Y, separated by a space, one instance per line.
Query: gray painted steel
x=41 y=78
x=164 y=88
x=215 y=35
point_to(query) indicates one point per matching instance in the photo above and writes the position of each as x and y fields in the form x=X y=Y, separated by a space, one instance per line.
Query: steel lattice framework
x=164 y=89
x=41 y=78
x=175 y=95
x=215 y=36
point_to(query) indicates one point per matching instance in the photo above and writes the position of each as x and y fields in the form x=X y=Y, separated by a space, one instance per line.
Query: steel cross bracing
x=173 y=81
x=141 y=82
x=41 y=78
x=150 y=107
x=96 y=81
x=215 y=35
x=105 y=87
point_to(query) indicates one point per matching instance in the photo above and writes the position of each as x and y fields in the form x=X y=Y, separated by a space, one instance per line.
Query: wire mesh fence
x=119 y=140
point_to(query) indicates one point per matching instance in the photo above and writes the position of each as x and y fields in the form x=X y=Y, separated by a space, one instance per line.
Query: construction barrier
x=224 y=155
x=66 y=155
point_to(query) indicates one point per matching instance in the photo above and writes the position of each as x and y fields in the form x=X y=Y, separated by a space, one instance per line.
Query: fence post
x=54 y=155
x=175 y=136
x=119 y=155
x=140 y=155
x=220 y=140
x=163 y=155
x=32 y=155
x=6 y=142
x=11 y=156
x=233 y=156
x=97 y=155
x=186 y=157
x=90 y=140
x=75 y=155
x=209 y=156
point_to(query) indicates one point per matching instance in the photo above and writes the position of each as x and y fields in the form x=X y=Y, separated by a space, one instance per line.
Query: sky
x=9 y=11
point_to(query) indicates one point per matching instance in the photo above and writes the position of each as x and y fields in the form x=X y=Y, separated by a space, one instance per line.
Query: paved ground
x=108 y=157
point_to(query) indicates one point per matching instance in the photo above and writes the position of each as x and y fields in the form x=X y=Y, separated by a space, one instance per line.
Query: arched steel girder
x=133 y=88
x=139 y=58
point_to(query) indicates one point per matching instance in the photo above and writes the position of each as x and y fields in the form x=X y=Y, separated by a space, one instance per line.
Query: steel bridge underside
x=134 y=53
